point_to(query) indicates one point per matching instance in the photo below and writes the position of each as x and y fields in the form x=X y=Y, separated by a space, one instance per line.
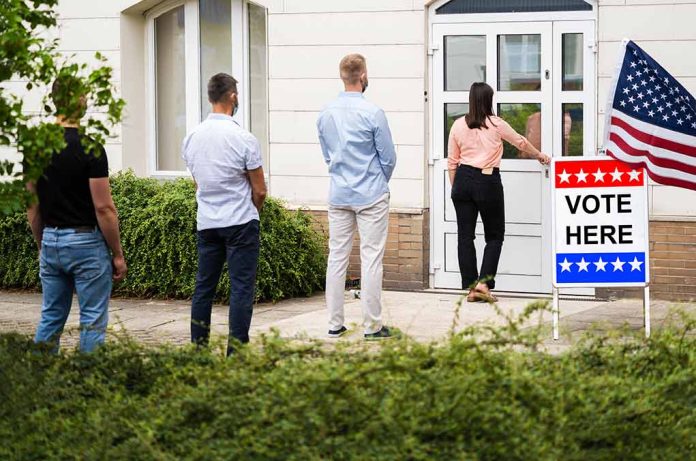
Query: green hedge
x=468 y=399
x=158 y=231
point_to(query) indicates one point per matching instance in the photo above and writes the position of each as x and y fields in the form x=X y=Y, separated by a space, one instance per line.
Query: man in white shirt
x=225 y=161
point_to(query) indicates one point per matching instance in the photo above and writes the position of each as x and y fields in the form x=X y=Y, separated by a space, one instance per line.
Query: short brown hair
x=351 y=67
x=220 y=85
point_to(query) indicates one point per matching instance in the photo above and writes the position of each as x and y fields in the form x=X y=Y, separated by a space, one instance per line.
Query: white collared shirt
x=218 y=153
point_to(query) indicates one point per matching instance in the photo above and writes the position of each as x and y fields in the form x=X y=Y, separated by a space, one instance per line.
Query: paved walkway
x=425 y=316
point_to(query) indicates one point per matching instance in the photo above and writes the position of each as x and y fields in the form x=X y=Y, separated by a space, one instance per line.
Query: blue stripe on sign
x=600 y=267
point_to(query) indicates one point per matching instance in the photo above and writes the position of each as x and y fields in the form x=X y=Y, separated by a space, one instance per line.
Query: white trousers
x=373 y=224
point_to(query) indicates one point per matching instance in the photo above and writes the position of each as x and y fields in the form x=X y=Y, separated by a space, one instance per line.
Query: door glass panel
x=526 y=120
x=465 y=61
x=215 y=18
x=258 y=76
x=519 y=62
x=511 y=6
x=572 y=62
x=452 y=112
x=572 y=129
x=170 y=89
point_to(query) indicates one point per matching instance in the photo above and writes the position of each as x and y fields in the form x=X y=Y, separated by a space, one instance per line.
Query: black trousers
x=472 y=193
x=239 y=247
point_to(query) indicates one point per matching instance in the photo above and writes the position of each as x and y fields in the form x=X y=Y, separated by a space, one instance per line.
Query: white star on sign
x=618 y=265
x=599 y=175
x=565 y=177
x=600 y=265
x=583 y=265
x=635 y=264
x=582 y=176
x=616 y=175
x=634 y=175
x=565 y=265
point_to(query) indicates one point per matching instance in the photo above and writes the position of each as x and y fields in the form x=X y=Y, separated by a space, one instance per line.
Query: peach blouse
x=482 y=148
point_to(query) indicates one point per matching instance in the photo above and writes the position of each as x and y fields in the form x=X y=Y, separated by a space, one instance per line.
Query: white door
x=539 y=92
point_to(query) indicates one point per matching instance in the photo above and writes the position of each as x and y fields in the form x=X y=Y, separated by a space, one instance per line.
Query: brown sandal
x=485 y=297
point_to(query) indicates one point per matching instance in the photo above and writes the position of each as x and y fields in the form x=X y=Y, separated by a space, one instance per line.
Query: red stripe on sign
x=666 y=180
x=654 y=140
x=596 y=173
x=659 y=161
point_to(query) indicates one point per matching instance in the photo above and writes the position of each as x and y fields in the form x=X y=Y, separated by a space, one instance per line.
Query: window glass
x=258 y=77
x=511 y=6
x=465 y=61
x=572 y=129
x=170 y=89
x=526 y=120
x=452 y=112
x=572 y=62
x=215 y=17
x=519 y=62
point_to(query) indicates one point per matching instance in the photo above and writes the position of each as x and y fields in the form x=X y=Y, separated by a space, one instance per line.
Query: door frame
x=560 y=22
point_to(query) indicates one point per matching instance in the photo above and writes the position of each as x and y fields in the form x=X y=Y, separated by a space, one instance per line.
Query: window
x=191 y=40
x=511 y=6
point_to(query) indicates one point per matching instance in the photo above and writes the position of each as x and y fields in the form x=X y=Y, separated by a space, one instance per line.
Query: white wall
x=665 y=29
x=307 y=39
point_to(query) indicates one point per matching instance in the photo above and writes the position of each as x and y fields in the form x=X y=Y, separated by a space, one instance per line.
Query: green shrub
x=158 y=231
x=479 y=396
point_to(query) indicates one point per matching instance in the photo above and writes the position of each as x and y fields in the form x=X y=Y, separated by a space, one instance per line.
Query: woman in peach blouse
x=474 y=151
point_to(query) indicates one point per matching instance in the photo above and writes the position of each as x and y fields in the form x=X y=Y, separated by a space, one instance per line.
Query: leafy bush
x=480 y=396
x=158 y=231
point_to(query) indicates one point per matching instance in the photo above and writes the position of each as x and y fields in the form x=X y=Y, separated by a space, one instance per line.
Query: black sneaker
x=337 y=333
x=383 y=333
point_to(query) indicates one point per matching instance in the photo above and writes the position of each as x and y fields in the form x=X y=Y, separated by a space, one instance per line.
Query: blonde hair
x=351 y=67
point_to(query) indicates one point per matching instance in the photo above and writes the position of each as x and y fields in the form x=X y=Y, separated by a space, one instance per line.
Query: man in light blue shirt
x=359 y=151
x=225 y=161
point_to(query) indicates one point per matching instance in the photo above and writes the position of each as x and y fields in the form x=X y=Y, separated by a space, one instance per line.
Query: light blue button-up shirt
x=218 y=153
x=358 y=148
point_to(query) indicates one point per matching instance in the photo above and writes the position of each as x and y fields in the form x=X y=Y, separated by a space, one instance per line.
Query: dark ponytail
x=480 y=105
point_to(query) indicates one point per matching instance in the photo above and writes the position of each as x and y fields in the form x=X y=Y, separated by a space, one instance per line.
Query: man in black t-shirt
x=76 y=227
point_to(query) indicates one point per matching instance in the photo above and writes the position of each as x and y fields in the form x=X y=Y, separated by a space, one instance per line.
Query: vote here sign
x=600 y=215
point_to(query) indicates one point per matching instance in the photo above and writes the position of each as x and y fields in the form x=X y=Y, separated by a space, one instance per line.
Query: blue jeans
x=239 y=246
x=74 y=261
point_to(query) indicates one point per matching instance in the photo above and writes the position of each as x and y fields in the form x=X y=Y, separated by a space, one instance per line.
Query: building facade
x=550 y=62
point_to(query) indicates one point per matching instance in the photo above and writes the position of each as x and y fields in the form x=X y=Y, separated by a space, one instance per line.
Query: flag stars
x=635 y=264
x=600 y=265
x=626 y=91
x=629 y=78
x=641 y=95
x=616 y=175
x=651 y=113
x=680 y=122
x=665 y=117
x=565 y=177
x=565 y=265
x=635 y=87
x=582 y=265
x=582 y=176
x=652 y=78
x=599 y=175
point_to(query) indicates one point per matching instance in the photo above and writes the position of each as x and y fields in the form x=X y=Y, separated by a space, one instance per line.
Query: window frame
x=240 y=70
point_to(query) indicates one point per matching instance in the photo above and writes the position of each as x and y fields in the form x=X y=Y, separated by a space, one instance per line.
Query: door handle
x=547 y=74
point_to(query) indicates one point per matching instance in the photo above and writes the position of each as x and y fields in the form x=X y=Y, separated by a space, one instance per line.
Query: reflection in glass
x=465 y=61
x=572 y=62
x=519 y=62
x=258 y=76
x=452 y=112
x=572 y=129
x=215 y=17
x=526 y=120
x=170 y=89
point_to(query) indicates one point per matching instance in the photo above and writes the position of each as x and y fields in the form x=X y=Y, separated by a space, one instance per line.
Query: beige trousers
x=372 y=223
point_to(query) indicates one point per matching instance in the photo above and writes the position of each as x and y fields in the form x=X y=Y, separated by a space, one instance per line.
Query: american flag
x=651 y=121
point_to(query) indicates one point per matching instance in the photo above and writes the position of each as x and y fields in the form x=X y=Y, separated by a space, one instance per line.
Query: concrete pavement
x=425 y=316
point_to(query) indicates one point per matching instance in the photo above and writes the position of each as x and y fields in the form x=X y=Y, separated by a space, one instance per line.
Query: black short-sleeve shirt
x=65 y=200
